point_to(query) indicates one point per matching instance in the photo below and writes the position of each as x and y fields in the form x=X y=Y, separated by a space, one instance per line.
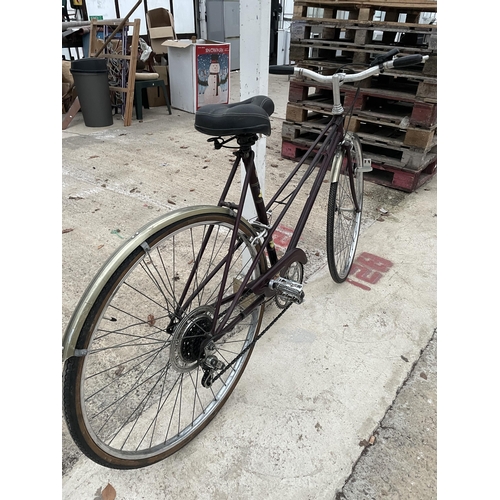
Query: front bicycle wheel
x=343 y=219
x=136 y=395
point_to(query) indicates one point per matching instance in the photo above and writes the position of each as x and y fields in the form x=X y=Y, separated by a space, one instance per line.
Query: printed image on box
x=212 y=71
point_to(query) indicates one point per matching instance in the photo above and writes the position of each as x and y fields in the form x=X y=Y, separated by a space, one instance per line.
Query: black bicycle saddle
x=246 y=117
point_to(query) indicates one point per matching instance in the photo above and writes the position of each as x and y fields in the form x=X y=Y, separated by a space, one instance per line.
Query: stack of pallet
x=395 y=113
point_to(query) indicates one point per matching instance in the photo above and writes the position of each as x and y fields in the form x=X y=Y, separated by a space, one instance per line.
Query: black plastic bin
x=91 y=82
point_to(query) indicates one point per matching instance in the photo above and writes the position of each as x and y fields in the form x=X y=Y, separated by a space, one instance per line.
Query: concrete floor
x=339 y=399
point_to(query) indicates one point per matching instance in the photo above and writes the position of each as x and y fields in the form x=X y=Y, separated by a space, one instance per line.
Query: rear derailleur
x=211 y=365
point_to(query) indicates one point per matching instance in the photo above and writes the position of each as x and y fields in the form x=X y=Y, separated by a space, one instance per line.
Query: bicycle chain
x=249 y=346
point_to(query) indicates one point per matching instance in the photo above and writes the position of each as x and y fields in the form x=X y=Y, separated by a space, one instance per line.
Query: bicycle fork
x=346 y=153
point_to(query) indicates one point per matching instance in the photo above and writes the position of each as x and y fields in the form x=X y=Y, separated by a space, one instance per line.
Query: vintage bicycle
x=164 y=331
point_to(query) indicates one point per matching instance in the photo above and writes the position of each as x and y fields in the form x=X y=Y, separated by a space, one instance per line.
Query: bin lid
x=90 y=64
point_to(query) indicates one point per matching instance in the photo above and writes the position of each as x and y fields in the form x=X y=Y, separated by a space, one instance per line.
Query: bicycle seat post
x=245 y=143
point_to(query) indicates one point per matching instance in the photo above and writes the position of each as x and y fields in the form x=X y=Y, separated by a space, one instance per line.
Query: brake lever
x=384 y=57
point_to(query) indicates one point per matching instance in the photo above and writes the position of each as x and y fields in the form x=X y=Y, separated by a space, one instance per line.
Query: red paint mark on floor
x=364 y=287
x=368 y=268
x=282 y=236
x=374 y=262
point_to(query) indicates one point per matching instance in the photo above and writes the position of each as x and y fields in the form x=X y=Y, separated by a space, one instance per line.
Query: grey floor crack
x=402 y=465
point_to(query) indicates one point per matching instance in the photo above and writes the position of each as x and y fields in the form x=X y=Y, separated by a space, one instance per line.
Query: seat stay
x=229 y=181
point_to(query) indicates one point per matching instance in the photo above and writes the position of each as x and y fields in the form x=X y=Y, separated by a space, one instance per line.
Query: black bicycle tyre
x=343 y=222
x=78 y=415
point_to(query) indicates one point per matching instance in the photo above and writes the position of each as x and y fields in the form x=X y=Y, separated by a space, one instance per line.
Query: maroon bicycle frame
x=330 y=137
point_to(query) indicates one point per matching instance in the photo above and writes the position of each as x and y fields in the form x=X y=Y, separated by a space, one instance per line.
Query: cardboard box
x=155 y=94
x=160 y=25
x=199 y=73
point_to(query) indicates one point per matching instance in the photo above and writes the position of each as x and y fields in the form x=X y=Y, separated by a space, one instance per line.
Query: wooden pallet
x=368 y=50
x=350 y=52
x=401 y=179
x=353 y=30
x=394 y=114
x=404 y=35
x=357 y=19
x=407 y=88
x=395 y=105
x=417 y=101
x=320 y=101
x=388 y=87
x=398 y=115
x=397 y=126
x=388 y=131
x=420 y=5
x=384 y=149
x=393 y=134
x=393 y=153
x=377 y=3
x=309 y=128
x=408 y=35
x=384 y=173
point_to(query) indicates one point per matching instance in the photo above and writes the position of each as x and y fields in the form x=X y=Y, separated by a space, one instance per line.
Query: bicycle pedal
x=367 y=166
x=289 y=289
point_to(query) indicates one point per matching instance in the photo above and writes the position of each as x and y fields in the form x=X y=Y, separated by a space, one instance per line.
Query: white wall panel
x=184 y=16
x=104 y=8
x=139 y=13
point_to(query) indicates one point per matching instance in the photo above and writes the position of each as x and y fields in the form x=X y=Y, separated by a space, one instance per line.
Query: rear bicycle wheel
x=343 y=220
x=136 y=396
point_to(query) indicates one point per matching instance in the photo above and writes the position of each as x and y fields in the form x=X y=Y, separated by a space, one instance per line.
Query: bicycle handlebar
x=399 y=62
x=281 y=70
